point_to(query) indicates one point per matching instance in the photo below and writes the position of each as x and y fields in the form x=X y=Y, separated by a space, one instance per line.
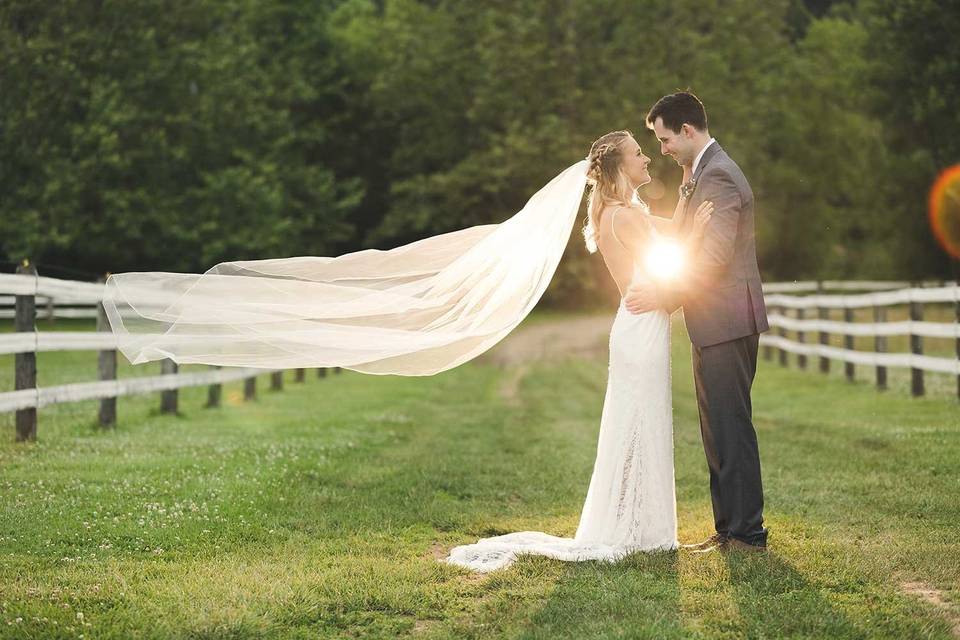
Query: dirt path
x=548 y=340
x=551 y=339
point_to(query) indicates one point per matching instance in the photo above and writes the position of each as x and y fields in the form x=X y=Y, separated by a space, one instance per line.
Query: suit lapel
x=708 y=155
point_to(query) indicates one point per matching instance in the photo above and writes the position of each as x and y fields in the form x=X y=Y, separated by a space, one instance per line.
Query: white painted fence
x=22 y=293
x=880 y=297
x=27 y=297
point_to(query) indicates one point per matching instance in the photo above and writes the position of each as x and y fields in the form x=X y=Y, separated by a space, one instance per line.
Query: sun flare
x=664 y=260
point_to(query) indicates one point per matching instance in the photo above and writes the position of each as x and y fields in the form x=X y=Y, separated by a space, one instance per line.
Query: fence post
x=25 y=364
x=782 y=332
x=168 y=397
x=299 y=375
x=276 y=380
x=848 y=367
x=767 y=349
x=823 y=313
x=106 y=368
x=916 y=347
x=214 y=391
x=250 y=388
x=321 y=373
x=880 y=346
x=801 y=338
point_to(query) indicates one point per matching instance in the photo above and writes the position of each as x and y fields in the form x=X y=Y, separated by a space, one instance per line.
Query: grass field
x=319 y=511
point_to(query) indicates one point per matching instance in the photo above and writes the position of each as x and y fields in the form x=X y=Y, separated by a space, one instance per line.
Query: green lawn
x=318 y=511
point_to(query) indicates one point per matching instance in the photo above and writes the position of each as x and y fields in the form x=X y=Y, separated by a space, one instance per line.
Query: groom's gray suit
x=724 y=312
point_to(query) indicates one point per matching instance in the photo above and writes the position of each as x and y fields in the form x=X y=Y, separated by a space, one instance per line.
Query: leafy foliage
x=144 y=135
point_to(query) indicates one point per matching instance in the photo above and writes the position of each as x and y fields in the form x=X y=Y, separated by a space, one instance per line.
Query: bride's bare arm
x=673 y=225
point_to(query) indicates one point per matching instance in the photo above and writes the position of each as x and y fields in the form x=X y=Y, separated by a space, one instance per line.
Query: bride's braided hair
x=606 y=181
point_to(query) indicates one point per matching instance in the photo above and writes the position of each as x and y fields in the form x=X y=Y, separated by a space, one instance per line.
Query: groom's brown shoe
x=716 y=540
x=732 y=544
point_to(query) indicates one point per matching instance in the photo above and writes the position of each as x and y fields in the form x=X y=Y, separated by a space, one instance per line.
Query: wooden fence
x=809 y=316
x=26 y=297
x=23 y=292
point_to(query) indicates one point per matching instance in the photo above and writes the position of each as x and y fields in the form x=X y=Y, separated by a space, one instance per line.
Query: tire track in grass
x=547 y=340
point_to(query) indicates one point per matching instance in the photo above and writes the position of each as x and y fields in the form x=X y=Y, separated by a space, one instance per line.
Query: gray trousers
x=723 y=374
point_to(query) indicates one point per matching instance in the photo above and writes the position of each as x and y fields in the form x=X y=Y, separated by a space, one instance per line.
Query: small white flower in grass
x=80 y=615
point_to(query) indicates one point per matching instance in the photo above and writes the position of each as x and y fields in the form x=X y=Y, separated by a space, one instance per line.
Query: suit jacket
x=720 y=291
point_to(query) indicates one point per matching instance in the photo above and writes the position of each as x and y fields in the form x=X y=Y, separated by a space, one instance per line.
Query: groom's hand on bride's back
x=641 y=298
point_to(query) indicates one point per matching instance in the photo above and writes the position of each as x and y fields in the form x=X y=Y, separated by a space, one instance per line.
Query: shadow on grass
x=638 y=597
x=776 y=600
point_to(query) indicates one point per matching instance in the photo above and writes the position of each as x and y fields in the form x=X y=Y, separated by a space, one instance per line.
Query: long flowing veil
x=417 y=309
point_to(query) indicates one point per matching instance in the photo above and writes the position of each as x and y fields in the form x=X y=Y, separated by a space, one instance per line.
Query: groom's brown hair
x=678 y=109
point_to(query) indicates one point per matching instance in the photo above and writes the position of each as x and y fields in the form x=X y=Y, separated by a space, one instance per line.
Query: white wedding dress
x=631 y=504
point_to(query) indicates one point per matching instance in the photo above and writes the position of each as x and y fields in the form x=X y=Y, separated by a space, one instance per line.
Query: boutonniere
x=686 y=189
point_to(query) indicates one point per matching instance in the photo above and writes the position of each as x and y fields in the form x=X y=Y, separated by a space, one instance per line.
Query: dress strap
x=613 y=226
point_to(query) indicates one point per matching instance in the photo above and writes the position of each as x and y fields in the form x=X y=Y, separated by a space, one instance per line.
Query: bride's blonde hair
x=607 y=182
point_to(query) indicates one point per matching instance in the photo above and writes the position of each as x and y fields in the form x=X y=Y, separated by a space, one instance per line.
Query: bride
x=630 y=504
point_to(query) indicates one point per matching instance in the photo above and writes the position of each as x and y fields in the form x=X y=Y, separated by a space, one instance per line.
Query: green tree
x=159 y=136
x=914 y=59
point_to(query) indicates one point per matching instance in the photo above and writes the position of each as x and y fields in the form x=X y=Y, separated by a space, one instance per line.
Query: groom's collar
x=699 y=158
x=706 y=154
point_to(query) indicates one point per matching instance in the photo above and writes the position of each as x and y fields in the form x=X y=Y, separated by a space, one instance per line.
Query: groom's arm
x=706 y=265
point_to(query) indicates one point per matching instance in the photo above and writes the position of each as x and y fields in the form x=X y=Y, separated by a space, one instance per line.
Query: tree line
x=156 y=135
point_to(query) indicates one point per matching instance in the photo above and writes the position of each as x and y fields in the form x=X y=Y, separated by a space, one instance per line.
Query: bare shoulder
x=626 y=225
x=632 y=226
x=632 y=217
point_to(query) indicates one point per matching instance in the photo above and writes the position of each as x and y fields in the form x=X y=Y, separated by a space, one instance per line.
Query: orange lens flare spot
x=945 y=210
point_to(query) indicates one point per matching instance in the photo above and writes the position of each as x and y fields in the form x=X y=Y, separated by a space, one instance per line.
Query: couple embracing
x=631 y=504
x=434 y=304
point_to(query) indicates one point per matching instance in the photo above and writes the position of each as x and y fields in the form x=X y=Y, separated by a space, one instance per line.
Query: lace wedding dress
x=631 y=504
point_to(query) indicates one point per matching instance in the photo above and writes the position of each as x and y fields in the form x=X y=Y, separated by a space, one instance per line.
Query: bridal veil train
x=417 y=309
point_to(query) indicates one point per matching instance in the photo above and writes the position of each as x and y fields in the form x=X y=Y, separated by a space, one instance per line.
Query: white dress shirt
x=696 y=160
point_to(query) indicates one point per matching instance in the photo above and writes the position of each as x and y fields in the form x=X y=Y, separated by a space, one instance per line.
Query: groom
x=724 y=312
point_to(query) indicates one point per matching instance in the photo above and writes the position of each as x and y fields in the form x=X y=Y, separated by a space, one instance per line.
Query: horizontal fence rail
x=884 y=298
x=903 y=328
x=869 y=358
x=833 y=285
x=44 y=396
x=22 y=342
